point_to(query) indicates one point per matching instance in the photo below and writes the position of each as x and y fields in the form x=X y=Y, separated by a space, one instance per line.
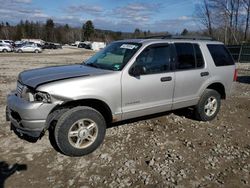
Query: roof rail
x=181 y=37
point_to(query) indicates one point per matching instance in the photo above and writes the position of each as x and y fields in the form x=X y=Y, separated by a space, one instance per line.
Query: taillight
x=235 y=75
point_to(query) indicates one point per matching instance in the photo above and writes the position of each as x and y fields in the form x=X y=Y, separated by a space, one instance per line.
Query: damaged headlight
x=35 y=96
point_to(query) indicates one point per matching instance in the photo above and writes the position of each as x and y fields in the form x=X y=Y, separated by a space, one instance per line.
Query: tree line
x=65 y=34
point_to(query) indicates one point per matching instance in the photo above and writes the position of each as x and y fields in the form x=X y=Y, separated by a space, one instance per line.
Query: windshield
x=114 y=57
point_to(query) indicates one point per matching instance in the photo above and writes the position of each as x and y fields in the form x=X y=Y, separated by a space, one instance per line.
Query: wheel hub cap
x=82 y=133
x=211 y=106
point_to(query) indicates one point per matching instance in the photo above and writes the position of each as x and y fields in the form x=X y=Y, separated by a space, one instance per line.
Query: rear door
x=152 y=91
x=25 y=48
x=190 y=74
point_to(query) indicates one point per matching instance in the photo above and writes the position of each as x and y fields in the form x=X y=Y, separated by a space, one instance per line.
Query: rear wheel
x=36 y=51
x=20 y=51
x=208 y=106
x=5 y=51
x=80 y=131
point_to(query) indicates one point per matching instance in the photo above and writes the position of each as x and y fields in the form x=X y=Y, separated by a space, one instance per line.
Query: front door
x=152 y=90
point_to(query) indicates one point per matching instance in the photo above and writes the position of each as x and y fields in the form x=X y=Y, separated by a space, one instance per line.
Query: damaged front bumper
x=26 y=117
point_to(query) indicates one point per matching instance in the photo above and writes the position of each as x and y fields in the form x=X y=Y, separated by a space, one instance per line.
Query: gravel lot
x=168 y=151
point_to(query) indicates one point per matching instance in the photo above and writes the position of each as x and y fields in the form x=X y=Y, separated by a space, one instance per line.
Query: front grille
x=19 y=89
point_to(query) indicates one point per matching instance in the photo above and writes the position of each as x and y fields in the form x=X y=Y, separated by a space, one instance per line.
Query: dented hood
x=36 y=77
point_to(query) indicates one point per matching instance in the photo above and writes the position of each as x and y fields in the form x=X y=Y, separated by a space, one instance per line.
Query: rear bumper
x=25 y=117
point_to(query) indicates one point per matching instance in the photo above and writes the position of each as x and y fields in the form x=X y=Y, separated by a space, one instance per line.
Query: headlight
x=35 y=96
x=42 y=97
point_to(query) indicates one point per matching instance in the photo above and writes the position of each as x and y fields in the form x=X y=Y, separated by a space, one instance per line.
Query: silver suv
x=127 y=79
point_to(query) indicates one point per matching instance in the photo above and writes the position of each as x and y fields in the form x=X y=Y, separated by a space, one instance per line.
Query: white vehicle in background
x=96 y=46
x=28 y=48
x=5 y=48
x=7 y=42
x=36 y=41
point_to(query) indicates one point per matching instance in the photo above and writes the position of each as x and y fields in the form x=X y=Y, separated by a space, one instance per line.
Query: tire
x=5 y=51
x=20 y=51
x=36 y=51
x=208 y=106
x=80 y=131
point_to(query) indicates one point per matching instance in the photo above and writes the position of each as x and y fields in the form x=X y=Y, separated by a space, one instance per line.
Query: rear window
x=220 y=55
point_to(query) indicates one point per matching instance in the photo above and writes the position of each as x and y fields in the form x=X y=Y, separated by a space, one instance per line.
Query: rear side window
x=220 y=55
x=199 y=57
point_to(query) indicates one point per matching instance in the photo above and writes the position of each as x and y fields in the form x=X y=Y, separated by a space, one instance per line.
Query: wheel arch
x=219 y=87
x=96 y=104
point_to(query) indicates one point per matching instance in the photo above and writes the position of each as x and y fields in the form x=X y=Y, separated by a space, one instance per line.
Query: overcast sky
x=117 y=15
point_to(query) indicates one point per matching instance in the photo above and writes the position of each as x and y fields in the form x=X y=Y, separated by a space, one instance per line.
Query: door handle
x=204 y=74
x=166 y=79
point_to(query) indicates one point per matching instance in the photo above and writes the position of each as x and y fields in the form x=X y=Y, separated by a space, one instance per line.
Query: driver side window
x=155 y=59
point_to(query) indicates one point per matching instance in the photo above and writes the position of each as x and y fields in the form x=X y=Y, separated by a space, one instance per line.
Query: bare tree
x=237 y=8
x=204 y=13
x=247 y=8
x=226 y=15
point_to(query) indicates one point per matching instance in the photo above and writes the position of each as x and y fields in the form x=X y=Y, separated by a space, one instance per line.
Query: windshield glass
x=114 y=57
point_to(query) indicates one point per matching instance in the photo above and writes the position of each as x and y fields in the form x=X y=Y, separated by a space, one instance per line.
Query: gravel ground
x=168 y=151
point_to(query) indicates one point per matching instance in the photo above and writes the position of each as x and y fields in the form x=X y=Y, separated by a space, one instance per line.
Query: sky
x=117 y=15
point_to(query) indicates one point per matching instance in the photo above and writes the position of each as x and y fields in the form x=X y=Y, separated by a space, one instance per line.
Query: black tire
x=20 y=51
x=36 y=51
x=68 y=120
x=5 y=51
x=201 y=111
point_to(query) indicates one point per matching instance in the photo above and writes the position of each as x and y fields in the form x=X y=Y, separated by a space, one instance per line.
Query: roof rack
x=181 y=37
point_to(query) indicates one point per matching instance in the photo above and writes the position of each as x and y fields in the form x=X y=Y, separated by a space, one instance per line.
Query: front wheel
x=36 y=51
x=5 y=51
x=80 y=131
x=208 y=106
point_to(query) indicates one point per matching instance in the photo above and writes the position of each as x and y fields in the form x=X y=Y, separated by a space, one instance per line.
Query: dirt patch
x=168 y=151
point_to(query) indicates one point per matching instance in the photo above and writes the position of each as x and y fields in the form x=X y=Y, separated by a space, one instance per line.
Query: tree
x=89 y=30
x=226 y=15
x=203 y=12
x=184 y=32
x=137 y=33
x=49 y=28
x=223 y=19
x=247 y=8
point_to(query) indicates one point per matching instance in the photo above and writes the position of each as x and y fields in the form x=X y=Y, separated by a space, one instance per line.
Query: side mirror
x=137 y=70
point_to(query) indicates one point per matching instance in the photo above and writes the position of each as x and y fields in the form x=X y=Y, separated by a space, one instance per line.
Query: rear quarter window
x=220 y=55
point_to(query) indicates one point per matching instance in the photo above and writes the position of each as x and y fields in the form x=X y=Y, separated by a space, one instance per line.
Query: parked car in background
x=5 y=48
x=28 y=48
x=84 y=45
x=49 y=45
x=96 y=46
x=35 y=41
x=7 y=42
x=58 y=46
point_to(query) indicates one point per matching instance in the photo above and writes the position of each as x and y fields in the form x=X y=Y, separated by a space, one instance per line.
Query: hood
x=36 y=77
